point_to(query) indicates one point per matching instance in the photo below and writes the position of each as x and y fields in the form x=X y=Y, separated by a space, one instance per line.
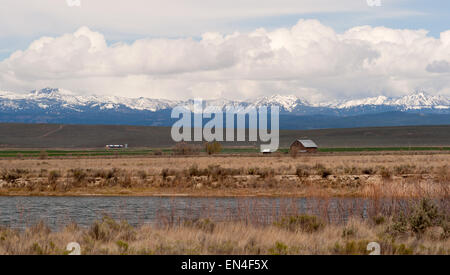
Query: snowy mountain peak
x=47 y=90
x=50 y=93
x=420 y=99
x=378 y=100
x=287 y=102
x=416 y=100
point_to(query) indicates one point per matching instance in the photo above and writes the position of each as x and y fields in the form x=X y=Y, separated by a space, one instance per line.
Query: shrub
x=390 y=247
x=10 y=176
x=214 y=171
x=20 y=171
x=302 y=171
x=43 y=155
x=223 y=247
x=205 y=225
x=108 y=229
x=252 y=171
x=425 y=215
x=279 y=249
x=97 y=232
x=213 y=147
x=352 y=248
x=126 y=181
x=385 y=173
x=183 y=148
x=322 y=170
x=378 y=219
x=165 y=173
x=266 y=172
x=53 y=176
x=402 y=249
x=122 y=246
x=305 y=223
x=37 y=249
x=142 y=174
x=445 y=230
x=325 y=173
x=404 y=169
x=350 y=170
x=368 y=171
x=78 y=174
x=399 y=226
x=319 y=166
x=112 y=173
x=348 y=232
x=194 y=171
x=443 y=173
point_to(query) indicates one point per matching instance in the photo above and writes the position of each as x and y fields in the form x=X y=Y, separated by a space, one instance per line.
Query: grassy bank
x=320 y=176
x=425 y=230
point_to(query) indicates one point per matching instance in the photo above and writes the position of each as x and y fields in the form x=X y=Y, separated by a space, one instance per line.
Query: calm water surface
x=20 y=212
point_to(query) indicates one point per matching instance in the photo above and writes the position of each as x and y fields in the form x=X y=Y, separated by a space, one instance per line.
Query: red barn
x=303 y=146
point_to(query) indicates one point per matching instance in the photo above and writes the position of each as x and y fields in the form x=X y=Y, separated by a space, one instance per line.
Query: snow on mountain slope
x=379 y=100
x=67 y=99
x=288 y=103
x=51 y=98
x=421 y=100
x=417 y=100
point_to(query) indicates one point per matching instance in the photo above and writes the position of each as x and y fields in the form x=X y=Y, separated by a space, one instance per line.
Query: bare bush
x=213 y=147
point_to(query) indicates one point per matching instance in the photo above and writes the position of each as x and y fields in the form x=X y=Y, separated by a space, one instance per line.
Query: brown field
x=400 y=174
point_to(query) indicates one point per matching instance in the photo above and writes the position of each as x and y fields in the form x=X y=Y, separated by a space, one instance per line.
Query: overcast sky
x=236 y=49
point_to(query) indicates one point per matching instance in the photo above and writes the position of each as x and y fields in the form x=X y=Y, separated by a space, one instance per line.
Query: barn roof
x=307 y=143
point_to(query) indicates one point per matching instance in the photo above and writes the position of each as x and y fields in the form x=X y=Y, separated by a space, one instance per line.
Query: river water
x=21 y=212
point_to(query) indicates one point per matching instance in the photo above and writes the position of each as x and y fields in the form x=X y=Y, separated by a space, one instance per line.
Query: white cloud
x=440 y=66
x=308 y=59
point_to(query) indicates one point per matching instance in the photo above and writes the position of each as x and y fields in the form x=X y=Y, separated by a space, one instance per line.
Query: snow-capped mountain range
x=52 y=105
x=50 y=98
x=417 y=100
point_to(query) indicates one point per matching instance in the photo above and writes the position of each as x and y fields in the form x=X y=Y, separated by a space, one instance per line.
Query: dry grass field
x=399 y=174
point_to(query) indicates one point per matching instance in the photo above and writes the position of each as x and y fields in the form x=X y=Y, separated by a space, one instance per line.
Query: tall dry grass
x=425 y=232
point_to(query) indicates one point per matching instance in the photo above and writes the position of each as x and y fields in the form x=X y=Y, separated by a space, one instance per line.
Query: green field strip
x=384 y=149
x=61 y=153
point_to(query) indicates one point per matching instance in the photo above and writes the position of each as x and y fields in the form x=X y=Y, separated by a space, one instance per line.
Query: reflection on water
x=20 y=212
